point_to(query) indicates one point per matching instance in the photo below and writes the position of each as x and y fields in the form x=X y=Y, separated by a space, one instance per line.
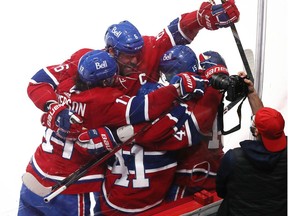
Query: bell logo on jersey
x=101 y=65
x=116 y=33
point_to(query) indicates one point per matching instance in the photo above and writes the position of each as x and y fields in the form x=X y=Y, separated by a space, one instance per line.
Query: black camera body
x=234 y=85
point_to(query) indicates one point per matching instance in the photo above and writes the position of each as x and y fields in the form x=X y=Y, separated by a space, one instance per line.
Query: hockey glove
x=96 y=141
x=212 y=63
x=189 y=84
x=213 y=17
x=63 y=121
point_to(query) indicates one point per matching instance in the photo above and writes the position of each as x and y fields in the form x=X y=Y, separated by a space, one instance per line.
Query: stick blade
x=35 y=186
x=250 y=59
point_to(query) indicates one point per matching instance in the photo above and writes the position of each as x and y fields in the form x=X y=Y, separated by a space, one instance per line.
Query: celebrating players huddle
x=98 y=99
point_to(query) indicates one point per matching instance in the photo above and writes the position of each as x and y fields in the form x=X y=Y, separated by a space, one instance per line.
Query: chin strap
x=222 y=111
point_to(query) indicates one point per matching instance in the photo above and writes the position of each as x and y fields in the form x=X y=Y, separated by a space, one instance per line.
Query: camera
x=234 y=85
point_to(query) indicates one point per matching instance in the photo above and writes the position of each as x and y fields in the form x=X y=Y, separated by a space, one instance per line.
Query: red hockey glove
x=63 y=121
x=190 y=84
x=213 y=17
x=96 y=141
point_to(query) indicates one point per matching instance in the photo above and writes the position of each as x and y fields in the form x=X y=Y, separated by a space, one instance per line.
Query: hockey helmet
x=179 y=58
x=211 y=58
x=124 y=37
x=96 y=66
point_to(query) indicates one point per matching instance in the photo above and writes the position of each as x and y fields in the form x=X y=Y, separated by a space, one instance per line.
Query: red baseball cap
x=270 y=124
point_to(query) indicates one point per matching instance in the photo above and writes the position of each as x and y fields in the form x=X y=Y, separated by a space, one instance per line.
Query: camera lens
x=220 y=81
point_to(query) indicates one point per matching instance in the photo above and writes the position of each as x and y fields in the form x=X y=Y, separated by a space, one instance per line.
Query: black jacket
x=253 y=181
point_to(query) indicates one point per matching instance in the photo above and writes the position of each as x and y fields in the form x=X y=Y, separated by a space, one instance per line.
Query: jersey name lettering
x=77 y=107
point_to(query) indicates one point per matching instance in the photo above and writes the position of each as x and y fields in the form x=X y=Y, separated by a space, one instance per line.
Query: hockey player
x=88 y=100
x=138 y=56
x=181 y=31
x=197 y=165
x=169 y=163
x=133 y=181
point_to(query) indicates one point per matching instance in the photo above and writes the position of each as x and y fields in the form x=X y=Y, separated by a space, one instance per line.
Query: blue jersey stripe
x=43 y=77
x=175 y=31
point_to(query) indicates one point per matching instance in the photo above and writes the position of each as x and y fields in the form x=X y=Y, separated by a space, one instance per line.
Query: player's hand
x=189 y=84
x=213 y=17
x=63 y=121
x=212 y=63
x=96 y=141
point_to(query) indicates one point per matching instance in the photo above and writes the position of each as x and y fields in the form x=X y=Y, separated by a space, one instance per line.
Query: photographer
x=252 y=179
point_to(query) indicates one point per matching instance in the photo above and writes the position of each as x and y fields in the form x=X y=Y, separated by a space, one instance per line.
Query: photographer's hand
x=253 y=98
x=248 y=82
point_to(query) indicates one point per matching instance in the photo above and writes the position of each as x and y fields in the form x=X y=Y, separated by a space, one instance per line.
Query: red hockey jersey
x=98 y=107
x=198 y=164
x=42 y=89
x=179 y=32
x=153 y=164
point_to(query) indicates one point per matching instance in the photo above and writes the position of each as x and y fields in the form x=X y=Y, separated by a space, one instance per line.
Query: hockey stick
x=241 y=50
x=250 y=59
x=50 y=192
